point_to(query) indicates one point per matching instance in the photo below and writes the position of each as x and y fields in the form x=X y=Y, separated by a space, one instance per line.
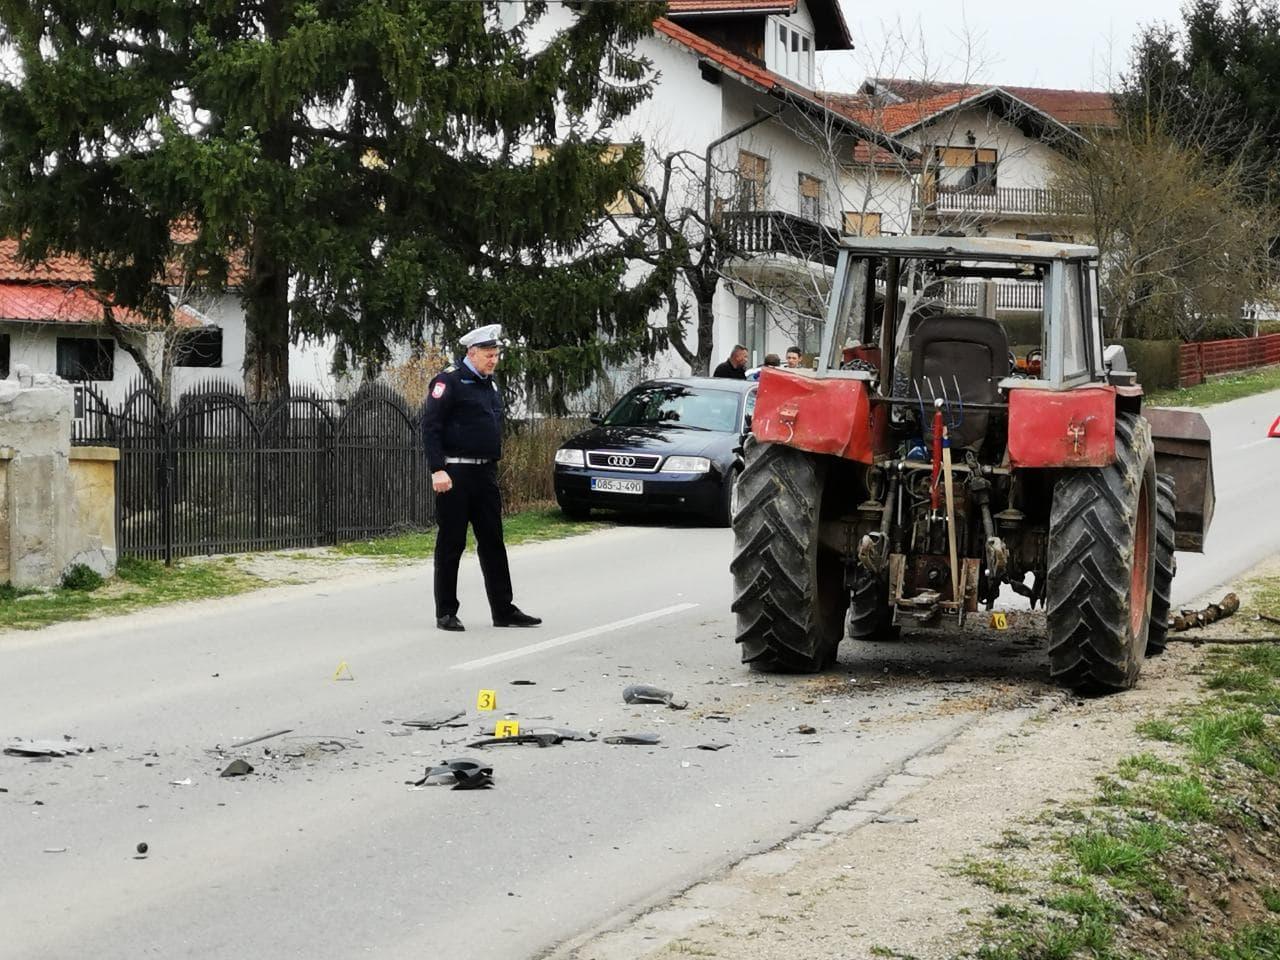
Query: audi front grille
x=630 y=462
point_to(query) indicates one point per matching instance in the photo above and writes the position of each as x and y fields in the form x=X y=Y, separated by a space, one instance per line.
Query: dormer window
x=789 y=50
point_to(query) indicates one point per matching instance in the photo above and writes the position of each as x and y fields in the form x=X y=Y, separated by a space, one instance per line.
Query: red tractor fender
x=825 y=415
x=1062 y=428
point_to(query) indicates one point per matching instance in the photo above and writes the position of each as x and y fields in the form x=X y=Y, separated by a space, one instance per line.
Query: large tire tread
x=1166 y=565
x=1091 y=554
x=784 y=613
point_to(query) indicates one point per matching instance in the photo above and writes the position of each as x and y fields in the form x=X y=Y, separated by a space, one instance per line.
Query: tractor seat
x=971 y=351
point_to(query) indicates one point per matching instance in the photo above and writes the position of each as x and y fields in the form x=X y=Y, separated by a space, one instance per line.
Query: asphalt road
x=326 y=851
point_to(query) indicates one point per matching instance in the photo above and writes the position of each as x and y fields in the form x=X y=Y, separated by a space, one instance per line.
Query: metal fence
x=219 y=474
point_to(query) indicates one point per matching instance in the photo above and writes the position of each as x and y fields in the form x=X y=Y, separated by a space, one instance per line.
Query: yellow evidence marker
x=1000 y=620
x=506 y=728
x=487 y=700
x=343 y=668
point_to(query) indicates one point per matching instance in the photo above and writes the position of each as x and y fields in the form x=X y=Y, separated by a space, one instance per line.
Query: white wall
x=36 y=345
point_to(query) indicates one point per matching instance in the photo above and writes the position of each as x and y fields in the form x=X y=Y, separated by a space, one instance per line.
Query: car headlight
x=570 y=458
x=686 y=465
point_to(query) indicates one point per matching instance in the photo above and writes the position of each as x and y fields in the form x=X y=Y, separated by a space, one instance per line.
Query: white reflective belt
x=463 y=460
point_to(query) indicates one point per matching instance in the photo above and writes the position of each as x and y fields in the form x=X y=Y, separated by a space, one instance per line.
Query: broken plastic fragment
x=434 y=721
x=644 y=739
x=642 y=693
x=46 y=748
x=460 y=774
x=237 y=768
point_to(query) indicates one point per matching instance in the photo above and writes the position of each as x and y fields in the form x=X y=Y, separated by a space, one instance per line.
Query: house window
x=860 y=224
x=751 y=321
x=84 y=358
x=626 y=203
x=810 y=197
x=967 y=168
x=790 y=51
x=4 y=356
x=753 y=172
x=199 y=348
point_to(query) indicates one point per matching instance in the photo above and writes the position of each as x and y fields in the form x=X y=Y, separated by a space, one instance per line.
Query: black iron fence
x=219 y=474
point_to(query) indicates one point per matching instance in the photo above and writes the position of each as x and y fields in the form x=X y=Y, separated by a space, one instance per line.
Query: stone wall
x=57 y=504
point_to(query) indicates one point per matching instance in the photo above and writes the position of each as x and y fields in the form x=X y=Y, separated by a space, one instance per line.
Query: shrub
x=81 y=577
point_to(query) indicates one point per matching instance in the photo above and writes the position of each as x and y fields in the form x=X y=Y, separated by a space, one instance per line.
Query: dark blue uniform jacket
x=463 y=417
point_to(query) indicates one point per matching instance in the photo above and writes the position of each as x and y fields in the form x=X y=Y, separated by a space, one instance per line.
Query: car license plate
x=610 y=485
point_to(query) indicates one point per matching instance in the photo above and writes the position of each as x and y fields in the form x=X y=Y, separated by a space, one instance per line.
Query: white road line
x=572 y=637
x=1255 y=443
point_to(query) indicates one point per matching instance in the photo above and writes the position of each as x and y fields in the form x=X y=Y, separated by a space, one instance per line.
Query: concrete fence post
x=51 y=517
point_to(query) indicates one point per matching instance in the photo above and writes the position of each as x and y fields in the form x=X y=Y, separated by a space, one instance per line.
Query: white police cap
x=487 y=336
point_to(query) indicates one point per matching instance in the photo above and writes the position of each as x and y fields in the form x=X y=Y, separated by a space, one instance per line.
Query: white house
x=51 y=322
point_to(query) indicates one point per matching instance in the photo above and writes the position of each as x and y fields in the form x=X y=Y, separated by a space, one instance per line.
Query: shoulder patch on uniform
x=438 y=390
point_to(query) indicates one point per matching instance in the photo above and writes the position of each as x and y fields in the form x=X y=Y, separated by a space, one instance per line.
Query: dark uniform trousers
x=474 y=497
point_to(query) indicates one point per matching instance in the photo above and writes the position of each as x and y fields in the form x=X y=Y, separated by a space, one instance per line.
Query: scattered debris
x=237 y=768
x=712 y=746
x=642 y=693
x=805 y=728
x=460 y=774
x=434 y=721
x=181 y=783
x=1266 y=617
x=66 y=747
x=265 y=736
x=643 y=739
x=722 y=718
x=1189 y=619
x=541 y=739
x=524 y=683
x=142 y=847
x=894 y=818
x=55 y=849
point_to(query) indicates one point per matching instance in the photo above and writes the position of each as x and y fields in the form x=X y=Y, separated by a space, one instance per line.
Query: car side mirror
x=595 y=418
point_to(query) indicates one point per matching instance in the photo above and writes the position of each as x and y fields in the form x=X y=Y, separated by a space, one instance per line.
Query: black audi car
x=666 y=445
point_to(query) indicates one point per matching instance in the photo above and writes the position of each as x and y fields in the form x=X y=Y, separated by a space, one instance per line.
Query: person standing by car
x=735 y=368
x=794 y=357
x=462 y=434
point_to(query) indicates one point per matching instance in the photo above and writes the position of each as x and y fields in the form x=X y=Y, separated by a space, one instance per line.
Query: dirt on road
x=928 y=864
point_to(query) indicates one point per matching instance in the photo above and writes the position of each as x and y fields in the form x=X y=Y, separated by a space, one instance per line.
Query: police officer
x=462 y=433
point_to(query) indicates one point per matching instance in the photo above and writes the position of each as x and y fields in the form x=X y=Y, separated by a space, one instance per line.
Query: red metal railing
x=1197 y=361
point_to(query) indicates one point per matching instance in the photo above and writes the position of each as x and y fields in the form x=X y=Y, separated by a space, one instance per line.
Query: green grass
x=995 y=875
x=1219 y=391
x=138 y=584
x=526 y=526
x=1122 y=852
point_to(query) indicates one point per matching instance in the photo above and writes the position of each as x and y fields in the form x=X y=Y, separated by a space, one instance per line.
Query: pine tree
x=366 y=162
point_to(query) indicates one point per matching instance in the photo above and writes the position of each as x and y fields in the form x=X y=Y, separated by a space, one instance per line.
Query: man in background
x=735 y=368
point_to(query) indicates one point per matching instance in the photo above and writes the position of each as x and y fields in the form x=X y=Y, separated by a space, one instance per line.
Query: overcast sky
x=1075 y=44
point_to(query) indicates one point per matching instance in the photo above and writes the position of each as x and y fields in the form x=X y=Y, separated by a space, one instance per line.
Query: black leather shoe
x=515 y=617
x=450 y=622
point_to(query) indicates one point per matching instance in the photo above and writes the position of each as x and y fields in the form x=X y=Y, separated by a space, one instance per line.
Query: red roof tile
x=893 y=117
x=58 y=268
x=50 y=303
x=1071 y=107
x=740 y=65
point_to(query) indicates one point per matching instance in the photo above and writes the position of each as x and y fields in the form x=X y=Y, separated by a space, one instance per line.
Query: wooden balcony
x=1023 y=296
x=1005 y=202
x=775 y=232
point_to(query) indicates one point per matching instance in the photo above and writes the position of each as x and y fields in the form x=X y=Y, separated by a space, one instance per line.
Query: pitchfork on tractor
x=936 y=456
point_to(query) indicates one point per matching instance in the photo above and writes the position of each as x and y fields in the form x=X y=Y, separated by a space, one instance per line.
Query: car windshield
x=677 y=405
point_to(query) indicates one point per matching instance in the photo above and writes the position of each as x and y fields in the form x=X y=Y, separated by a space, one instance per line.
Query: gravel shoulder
x=915 y=867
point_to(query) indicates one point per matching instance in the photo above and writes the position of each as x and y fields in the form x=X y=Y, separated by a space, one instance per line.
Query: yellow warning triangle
x=343 y=669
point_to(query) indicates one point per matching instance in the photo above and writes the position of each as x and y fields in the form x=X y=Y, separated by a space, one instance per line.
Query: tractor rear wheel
x=870 y=617
x=789 y=591
x=1166 y=564
x=1102 y=565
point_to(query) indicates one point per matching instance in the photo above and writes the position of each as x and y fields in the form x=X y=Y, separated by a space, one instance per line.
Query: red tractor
x=937 y=455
